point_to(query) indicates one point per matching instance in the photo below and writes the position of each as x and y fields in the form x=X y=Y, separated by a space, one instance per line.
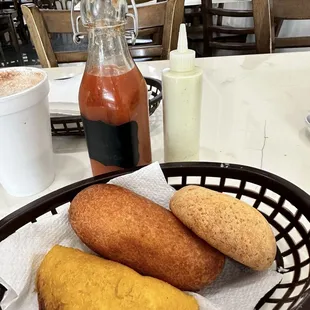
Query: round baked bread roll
x=228 y=224
x=130 y=229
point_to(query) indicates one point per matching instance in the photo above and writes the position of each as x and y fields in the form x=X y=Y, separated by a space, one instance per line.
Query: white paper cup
x=26 y=153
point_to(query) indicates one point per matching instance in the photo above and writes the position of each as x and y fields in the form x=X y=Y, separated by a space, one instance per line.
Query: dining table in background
x=253 y=113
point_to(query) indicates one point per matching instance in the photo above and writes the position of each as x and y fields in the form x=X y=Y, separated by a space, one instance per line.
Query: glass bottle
x=113 y=95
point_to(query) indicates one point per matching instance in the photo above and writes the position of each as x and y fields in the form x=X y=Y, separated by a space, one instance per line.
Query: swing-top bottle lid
x=103 y=13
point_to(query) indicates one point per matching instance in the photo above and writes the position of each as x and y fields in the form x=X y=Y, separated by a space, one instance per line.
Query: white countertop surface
x=253 y=113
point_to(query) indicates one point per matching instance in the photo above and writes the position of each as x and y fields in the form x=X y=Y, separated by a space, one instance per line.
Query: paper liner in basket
x=21 y=253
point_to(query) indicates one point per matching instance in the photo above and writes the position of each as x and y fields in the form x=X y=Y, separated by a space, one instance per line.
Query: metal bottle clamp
x=131 y=35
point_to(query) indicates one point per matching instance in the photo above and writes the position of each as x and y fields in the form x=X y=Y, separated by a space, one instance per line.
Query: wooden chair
x=269 y=12
x=161 y=20
x=217 y=36
x=7 y=26
x=193 y=21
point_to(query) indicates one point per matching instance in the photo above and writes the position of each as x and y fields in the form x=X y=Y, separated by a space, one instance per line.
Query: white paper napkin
x=63 y=95
x=21 y=253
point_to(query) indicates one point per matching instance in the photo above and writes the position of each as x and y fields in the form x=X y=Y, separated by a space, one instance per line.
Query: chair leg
x=23 y=34
x=2 y=54
x=3 y=38
x=15 y=41
x=207 y=33
x=207 y=37
x=220 y=17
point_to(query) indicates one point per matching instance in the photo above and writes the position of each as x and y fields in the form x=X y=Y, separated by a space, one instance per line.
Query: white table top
x=253 y=114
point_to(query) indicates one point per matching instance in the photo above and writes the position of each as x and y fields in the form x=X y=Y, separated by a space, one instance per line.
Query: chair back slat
x=292 y=42
x=232 y=30
x=233 y=46
x=291 y=9
x=59 y=21
x=231 y=13
x=74 y=56
x=151 y=51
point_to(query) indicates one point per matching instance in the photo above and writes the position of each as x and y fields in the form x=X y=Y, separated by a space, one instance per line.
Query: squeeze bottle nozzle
x=182 y=40
x=182 y=59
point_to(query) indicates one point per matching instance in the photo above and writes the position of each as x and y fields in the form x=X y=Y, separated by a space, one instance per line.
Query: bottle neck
x=108 y=52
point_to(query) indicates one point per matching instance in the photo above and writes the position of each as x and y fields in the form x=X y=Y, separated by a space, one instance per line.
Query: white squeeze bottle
x=182 y=91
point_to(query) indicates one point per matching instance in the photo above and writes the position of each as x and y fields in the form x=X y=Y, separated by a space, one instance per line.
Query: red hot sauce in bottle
x=113 y=102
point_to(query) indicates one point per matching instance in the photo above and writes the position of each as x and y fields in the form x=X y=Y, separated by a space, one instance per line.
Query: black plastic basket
x=275 y=197
x=73 y=126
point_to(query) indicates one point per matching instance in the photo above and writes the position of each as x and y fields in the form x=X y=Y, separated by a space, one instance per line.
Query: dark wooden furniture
x=262 y=22
x=2 y=57
x=7 y=26
x=4 y=5
x=45 y=4
x=217 y=36
x=161 y=20
x=193 y=21
x=18 y=19
x=272 y=11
